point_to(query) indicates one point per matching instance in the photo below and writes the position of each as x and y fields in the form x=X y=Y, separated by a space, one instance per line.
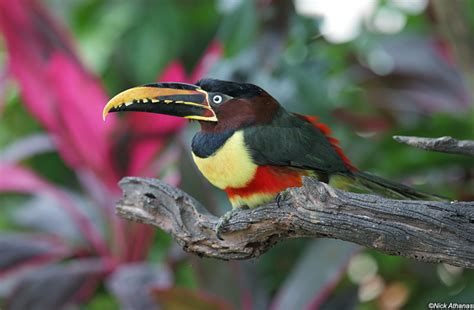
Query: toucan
x=250 y=146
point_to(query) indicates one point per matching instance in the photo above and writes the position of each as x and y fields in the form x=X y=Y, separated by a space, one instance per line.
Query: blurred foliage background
x=370 y=69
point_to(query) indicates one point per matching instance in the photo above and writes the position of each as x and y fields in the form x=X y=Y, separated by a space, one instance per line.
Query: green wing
x=291 y=141
x=366 y=183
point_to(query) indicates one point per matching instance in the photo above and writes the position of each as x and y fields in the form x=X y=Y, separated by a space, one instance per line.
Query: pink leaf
x=142 y=154
x=3 y=82
x=23 y=26
x=130 y=283
x=151 y=130
x=80 y=102
x=146 y=126
x=16 y=179
x=29 y=250
x=57 y=90
x=21 y=180
x=174 y=72
x=146 y=136
x=59 y=285
x=145 y=123
x=68 y=100
x=212 y=54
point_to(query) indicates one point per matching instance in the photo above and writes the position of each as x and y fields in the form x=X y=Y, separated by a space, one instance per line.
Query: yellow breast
x=230 y=166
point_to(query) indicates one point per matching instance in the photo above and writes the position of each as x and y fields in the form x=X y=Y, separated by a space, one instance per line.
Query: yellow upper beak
x=178 y=99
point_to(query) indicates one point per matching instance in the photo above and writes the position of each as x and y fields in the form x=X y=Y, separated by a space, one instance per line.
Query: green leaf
x=239 y=27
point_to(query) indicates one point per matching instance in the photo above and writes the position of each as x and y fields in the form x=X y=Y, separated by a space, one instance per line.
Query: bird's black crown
x=233 y=89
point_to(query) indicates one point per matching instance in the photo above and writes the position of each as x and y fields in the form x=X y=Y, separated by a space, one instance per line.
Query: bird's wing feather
x=290 y=140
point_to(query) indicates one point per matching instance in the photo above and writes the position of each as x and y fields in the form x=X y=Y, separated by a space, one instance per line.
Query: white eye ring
x=217 y=99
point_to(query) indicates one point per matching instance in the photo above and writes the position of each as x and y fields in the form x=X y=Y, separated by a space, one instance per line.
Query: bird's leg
x=224 y=220
x=281 y=197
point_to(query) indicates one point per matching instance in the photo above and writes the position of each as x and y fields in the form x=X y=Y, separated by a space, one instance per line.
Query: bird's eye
x=217 y=99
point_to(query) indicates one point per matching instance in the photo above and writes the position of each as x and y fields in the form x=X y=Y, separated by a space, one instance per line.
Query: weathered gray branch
x=423 y=230
x=443 y=144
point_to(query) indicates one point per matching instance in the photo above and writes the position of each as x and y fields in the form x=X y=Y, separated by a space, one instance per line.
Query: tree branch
x=443 y=144
x=423 y=230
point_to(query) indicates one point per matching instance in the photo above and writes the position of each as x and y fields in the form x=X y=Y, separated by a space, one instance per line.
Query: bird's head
x=216 y=104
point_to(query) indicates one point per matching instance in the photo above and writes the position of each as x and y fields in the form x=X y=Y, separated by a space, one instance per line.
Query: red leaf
x=362 y=122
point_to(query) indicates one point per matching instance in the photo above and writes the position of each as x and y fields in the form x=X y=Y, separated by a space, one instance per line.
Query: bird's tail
x=363 y=182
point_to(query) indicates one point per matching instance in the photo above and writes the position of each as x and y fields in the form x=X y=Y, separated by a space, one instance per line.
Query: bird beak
x=177 y=99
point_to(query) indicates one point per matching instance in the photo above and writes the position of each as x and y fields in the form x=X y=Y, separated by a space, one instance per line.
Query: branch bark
x=423 y=230
x=443 y=144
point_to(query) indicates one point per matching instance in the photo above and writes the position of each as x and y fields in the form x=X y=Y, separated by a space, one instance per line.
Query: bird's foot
x=224 y=220
x=281 y=197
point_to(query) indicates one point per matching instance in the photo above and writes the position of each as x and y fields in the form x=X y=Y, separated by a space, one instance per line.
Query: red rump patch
x=269 y=180
x=327 y=132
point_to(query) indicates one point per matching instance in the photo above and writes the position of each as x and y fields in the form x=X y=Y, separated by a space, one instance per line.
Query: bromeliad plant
x=75 y=242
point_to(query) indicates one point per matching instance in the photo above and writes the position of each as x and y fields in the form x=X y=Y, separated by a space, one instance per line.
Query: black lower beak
x=177 y=99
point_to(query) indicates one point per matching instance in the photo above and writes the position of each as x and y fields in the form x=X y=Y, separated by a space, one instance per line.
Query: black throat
x=206 y=143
